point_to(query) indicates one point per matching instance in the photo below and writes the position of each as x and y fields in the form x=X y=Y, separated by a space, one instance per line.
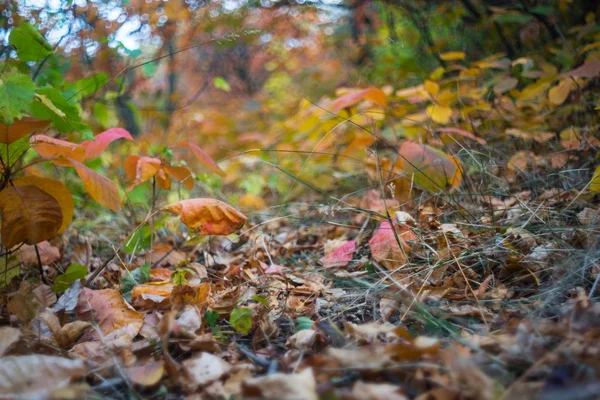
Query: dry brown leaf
x=110 y=311
x=36 y=376
x=377 y=391
x=48 y=254
x=65 y=335
x=204 y=369
x=208 y=216
x=146 y=375
x=301 y=386
x=8 y=337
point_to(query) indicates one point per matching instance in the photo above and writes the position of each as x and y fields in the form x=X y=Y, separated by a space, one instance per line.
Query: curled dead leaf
x=208 y=216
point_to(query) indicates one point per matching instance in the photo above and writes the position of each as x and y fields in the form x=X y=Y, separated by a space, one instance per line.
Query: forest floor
x=471 y=297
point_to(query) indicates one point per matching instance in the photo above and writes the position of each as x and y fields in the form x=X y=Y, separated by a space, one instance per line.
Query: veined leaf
x=208 y=216
x=57 y=190
x=30 y=44
x=29 y=215
x=16 y=96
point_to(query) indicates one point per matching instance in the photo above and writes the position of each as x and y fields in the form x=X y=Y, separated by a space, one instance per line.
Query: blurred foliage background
x=253 y=82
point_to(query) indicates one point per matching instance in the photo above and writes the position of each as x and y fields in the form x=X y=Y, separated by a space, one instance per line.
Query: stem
x=41 y=269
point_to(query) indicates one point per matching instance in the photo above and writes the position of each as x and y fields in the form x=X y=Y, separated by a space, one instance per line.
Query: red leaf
x=384 y=246
x=93 y=148
x=341 y=256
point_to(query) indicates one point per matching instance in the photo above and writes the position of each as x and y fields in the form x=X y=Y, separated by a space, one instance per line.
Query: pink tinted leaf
x=203 y=157
x=93 y=148
x=373 y=94
x=341 y=256
x=384 y=246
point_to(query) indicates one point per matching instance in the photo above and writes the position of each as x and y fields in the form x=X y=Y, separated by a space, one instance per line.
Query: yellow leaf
x=559 y=93
x=432 y=88
x=595 y=183
x=453 y=56
x=439 y=114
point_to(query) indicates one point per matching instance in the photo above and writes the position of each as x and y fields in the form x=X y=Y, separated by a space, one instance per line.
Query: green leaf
x=139 y=240
x=30 y=44
x=9 y=269
x=73 y=272
x=211 y=318
x=221 y=83
x=513 y=18
x=64 y=115
x=85 y=87
x=264 y=300
x=135 y=277
x=241 y=320
x=178 y=276
x=16 y=96
x=302 y=323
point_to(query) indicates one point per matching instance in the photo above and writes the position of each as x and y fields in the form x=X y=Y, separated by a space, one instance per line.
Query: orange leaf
x=163 y=179
x=29 y=215
x=56 y=189
x=99 y=187
x=181 y=174
x=208 y=216
x=203 y=157
x=93 y=148
x=461 y=132
x=19 y=128
x=110 y=311
x=430 y=168
x=52 y=149
x=373 y=94
x=384 y=246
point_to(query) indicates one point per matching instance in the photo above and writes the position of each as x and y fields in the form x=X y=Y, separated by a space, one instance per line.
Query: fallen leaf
x=110 y=311
x=37 y=376
x=65 y=336
x=29 y=215
x=304 y=340
x=208 y=216
x=203 y=369
x=278 y=386
x=48 y=254
x=8 y=337
x=384 y=246
x=439 y=114
x=146 y=375
x=430 y=168
x=341 y=256
x=377 y=391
